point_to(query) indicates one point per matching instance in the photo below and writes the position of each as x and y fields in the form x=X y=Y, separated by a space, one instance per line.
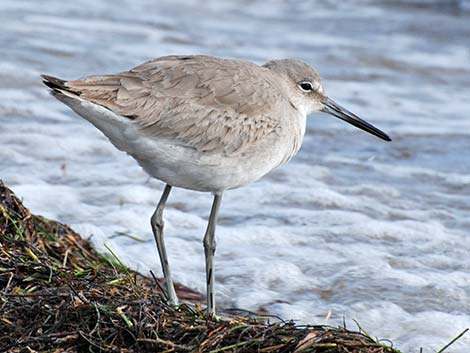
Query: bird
x=203 y=123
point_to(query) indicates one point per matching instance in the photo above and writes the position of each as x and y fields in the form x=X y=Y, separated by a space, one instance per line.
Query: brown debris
x=58 y=295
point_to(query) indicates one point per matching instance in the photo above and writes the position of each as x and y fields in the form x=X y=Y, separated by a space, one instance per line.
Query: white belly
x=188 y=168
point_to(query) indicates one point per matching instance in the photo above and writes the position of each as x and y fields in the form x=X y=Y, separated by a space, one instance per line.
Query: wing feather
x=208 y=103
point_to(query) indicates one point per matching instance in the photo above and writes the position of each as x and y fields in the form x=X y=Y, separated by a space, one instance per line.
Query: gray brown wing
x=208 y=103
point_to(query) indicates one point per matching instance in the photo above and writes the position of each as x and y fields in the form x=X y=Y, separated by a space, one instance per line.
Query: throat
x=300 y=106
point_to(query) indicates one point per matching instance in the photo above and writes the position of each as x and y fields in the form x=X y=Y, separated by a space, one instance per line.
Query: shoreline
x=58 y=293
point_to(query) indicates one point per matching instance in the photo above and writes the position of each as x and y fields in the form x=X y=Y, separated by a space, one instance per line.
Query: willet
x=203 y=123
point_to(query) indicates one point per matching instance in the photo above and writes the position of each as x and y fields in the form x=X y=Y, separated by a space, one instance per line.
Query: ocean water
x=352 y=228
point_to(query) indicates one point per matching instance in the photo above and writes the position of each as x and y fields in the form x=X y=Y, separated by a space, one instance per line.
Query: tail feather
x=60 y=89
x=100 y=90
x=54 y=82
x=72 y=96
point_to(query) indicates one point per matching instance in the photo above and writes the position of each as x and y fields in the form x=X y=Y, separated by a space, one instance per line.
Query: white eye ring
x=307 y=86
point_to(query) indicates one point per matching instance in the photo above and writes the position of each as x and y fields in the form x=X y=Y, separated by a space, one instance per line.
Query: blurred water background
x=366 y=230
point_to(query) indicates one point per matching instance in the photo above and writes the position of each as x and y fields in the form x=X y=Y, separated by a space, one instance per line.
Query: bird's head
x=306 y=93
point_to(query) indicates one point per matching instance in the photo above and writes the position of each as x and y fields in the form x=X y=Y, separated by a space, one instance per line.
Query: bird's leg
x=209 y=250
x=157 y=228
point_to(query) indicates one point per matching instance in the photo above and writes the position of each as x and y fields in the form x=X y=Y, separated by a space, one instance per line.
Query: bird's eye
x=306 y=86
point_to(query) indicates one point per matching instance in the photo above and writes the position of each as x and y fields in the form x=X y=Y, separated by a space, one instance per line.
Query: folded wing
x=210 y=104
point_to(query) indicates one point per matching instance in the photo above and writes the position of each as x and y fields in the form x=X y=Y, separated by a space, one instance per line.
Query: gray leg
x=209 y=250
x=157 y=228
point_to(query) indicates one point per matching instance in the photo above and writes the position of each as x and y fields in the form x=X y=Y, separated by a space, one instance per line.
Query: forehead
x=299 y=70
x=295 y=69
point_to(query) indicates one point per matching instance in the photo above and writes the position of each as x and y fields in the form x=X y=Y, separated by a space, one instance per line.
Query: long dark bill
x=335 y=109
